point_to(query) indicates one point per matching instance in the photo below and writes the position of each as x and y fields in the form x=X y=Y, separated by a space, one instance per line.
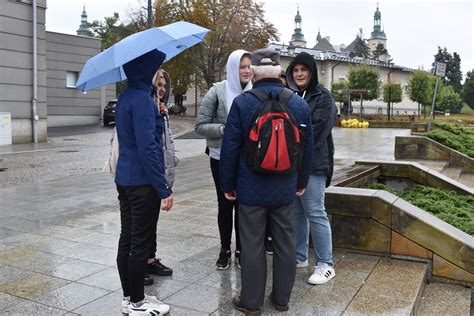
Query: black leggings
x=139 y=207
x=224 y=215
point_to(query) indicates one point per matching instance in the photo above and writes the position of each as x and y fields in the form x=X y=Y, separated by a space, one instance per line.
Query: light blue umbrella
x=106 y=67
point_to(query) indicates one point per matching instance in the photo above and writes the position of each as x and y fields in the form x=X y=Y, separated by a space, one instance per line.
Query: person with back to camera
x=210 y=122
x=266 y=196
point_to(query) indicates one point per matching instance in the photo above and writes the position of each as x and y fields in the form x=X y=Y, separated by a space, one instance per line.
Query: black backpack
x=275 y=142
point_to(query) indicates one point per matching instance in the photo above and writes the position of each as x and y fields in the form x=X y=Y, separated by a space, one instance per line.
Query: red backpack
x=275 y=142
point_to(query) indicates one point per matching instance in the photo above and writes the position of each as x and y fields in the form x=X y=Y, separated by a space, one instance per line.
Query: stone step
x=435 y=165
x=467 y=178
x=394 y=287
x=452 y=172
x=349 y=175
x=445 y=299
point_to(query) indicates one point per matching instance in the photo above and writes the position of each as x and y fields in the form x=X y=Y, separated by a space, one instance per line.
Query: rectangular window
x=71 y=79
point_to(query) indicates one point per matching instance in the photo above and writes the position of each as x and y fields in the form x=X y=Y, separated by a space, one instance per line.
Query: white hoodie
x=233 y=87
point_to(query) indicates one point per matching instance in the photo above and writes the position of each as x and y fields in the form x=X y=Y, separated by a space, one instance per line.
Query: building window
x=71 y=79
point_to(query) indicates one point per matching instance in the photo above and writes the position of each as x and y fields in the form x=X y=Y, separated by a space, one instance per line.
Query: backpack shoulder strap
x=285 y=95
x=260 y=95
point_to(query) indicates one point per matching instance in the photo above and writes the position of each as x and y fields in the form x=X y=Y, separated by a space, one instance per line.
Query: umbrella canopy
x=106 y=67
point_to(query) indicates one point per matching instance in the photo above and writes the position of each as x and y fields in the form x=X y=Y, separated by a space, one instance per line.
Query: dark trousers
x=152 y=253
x=253 y=220
x=139 y=206
x=224 y=215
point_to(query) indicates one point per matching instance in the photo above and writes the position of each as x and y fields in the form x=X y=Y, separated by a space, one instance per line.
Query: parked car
x=174 y=108
x=109 y=112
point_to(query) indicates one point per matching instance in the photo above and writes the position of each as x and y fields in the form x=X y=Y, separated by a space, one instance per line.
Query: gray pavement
x=59 y=227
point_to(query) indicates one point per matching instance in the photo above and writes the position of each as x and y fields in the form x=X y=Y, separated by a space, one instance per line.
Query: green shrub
x=457 y=137
x=380 y=186
x=455 y=209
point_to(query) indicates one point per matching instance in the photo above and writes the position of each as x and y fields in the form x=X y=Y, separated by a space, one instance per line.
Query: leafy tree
x=379 y=51
x=468 y=89
x=364 y=77
x=233 y=25
x=453 y=74
x=392 y=92
x=338 y=90
x=449 y=100
x=111 y=30
x=420 y=88
x=361 y=48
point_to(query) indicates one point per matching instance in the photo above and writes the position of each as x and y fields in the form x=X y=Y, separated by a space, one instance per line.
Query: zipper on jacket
x=276 y=136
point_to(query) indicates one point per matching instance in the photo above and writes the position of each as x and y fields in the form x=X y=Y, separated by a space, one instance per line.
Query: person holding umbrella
x=140 y=174
x=140 y=180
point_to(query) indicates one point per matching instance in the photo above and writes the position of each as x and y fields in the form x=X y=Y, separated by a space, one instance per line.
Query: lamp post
x=149 y=18
x=439 y=71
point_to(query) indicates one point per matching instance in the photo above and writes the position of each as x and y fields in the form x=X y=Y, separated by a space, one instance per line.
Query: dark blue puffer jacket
x=140 y=128
x=257 y=188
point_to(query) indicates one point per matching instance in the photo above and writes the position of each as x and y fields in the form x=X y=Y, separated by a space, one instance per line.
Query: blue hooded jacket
x=140 y=128
x=252 y=188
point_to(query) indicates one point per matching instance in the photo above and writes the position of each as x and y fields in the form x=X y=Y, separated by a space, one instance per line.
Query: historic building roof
x=324 y=45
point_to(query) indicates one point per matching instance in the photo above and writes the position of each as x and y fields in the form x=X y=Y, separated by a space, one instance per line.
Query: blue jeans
x=310 y=211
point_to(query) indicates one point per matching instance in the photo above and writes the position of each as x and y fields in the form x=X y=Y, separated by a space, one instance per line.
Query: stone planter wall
x=420 y=147
x=378 y=221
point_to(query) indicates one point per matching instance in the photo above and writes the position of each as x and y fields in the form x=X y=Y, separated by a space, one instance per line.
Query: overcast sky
x=414 y=29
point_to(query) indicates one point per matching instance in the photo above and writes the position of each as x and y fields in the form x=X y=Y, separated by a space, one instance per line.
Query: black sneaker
x=237 y=258
x=148 y=280
x=224 y=259
x=156 y=267
x=269 y=245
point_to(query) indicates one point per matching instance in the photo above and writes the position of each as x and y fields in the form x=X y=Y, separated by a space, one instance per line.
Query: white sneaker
x=322 y=273
x=125 y=302
x=150 y=306
x=301 y=264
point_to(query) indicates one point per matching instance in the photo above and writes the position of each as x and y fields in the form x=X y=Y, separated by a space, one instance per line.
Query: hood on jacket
x=307 y=60
x=233 y=86
x=140 y=71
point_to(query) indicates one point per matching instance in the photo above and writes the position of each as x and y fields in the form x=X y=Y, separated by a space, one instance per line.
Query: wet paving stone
x=32 y=285
x=108 y=305
x=71 y=296
x=32 y=308
x=76 y=270
x=107 y=279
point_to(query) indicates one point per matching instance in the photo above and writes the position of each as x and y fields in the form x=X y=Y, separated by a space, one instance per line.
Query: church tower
x=318 y=37
x=297 y=39
x=84 y=27
x=378 y=35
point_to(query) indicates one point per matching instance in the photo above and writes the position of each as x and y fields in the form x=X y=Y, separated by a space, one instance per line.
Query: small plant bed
x=457 y=137
x=453 y=208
